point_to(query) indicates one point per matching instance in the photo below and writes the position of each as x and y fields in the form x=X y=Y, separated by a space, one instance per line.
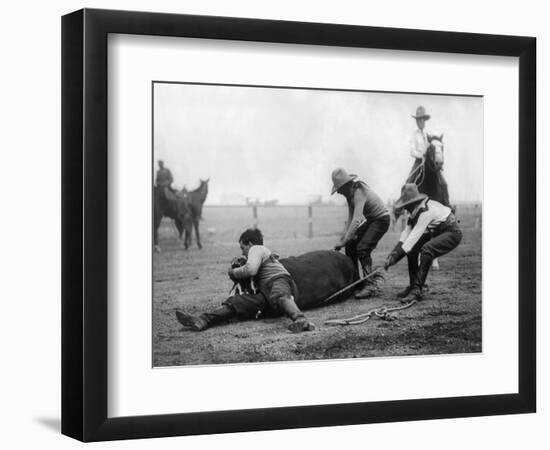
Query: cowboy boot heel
x=404 y=292
x=195 y=323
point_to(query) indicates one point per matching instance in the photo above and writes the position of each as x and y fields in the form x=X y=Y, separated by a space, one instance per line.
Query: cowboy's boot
x=412 y=265
x=416 y=293
x=373 y=285
x=299 y=321
x=206 y=320
x=195 y=323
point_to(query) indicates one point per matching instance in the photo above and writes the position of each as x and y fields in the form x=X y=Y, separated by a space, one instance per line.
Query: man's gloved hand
x=395 y=256
x=389 y=262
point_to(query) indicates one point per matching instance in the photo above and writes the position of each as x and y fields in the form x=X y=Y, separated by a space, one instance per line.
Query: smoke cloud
x=282 y=144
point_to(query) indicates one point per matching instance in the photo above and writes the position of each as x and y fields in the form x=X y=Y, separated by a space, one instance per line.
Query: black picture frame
x=84 y=224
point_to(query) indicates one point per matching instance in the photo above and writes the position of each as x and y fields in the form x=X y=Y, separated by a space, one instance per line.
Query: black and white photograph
x=314 y=224
x=275 y=225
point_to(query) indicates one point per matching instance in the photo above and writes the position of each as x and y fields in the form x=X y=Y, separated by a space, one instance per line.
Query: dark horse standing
x=168 y=204
x=195 y=200
x=426 y=174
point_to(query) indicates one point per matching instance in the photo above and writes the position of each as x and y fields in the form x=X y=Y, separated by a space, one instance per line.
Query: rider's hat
x=421 y=113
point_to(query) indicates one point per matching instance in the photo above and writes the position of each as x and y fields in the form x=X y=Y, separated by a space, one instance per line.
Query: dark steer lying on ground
x=316 y=276
x=319 y=274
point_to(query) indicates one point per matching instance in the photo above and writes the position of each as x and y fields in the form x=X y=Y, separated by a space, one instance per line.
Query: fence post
x=255 y=215
x=477 y=214
x=310 y=221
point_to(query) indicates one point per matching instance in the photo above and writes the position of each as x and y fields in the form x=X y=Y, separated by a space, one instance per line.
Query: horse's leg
x=156 y=225
x=188 y=226
x=197 y=233
x=189 y=231
x=179 y=226
x=187 y=241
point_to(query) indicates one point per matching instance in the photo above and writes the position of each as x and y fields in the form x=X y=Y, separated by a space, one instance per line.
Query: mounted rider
x=419 y=142
x=164 y=177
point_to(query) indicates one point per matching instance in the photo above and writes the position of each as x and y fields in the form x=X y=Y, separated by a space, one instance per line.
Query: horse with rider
x=183 y=207
x=428 y=152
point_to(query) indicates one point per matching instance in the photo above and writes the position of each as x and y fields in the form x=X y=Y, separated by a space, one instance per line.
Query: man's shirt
x=366 y=205
x=419 y=143
x=261 y=264
x=425 y=217
x=164 y=177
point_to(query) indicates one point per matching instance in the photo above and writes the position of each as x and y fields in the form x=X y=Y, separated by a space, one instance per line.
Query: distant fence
x=301 y=221
x=225 y=223
x=309 y=219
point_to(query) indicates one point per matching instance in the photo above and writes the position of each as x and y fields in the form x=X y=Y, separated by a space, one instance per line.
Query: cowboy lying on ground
x=276 y=290
x=431 y=231
x=368 y=221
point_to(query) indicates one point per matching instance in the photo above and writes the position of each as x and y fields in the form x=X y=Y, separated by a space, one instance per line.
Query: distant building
x=318 y=200
x=252 y=202
x=232 y=198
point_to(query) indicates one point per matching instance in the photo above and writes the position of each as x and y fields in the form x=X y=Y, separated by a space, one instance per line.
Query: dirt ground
x=447 y=321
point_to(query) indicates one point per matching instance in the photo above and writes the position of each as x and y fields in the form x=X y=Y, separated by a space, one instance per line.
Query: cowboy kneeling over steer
x=276 y=290
x=431 y=231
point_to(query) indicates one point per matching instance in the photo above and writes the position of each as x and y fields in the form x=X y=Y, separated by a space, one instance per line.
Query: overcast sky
x=272 y=143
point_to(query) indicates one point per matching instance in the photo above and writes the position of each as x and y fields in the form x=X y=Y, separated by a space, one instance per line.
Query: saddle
x=169 y=193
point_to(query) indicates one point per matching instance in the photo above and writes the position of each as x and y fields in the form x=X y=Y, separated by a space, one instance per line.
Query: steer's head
x=242 y=285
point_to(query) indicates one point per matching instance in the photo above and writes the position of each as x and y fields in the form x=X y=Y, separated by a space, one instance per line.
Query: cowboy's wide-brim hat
x=339 y=178
x=409 y=195
x=421 y=113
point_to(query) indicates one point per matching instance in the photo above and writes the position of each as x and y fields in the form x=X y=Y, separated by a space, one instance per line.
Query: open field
x=447 y=321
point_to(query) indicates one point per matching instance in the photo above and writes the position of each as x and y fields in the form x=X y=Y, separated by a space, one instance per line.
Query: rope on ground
x=383 y=312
